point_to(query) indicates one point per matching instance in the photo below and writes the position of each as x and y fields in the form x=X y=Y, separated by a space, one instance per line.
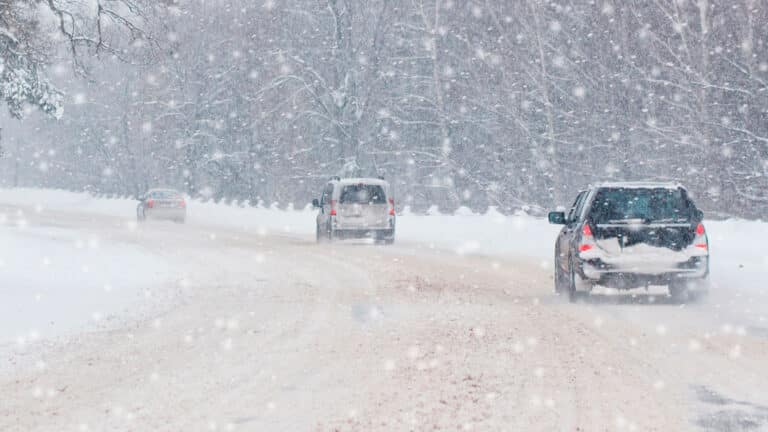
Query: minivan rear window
x=165 y=195
x=363 y=194
x=639 y=204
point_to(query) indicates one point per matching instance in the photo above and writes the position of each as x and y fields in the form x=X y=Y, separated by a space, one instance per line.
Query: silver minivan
x=356 y=208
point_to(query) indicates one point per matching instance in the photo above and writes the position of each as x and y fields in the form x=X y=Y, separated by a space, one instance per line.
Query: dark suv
x=630 y=235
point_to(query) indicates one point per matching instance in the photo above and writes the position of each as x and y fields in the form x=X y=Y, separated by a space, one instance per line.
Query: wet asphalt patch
x=724 y=414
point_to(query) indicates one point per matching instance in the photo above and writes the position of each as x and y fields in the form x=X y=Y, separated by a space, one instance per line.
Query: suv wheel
x=678 y=291
x=702 y=289
x=681 y=292
x=560 y=285
x=570 y=287
x=573 y=285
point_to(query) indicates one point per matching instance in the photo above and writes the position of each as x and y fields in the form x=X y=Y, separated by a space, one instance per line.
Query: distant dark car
x=631 y=235
x=166 y=204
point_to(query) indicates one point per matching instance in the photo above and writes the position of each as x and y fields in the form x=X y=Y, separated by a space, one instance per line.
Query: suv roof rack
x=639 y=184
x=335 y=178
x=380 y=177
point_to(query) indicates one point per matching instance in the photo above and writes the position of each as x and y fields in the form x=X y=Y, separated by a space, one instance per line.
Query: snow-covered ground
x=55 y=281
x=361 y=338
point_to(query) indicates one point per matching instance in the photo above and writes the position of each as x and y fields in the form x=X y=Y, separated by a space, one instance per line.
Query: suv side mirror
x=699 y=215
x=557 y=218
x=315 y=203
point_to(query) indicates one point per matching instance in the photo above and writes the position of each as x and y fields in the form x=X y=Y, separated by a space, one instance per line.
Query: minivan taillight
x=333 y=207
x=391 y=206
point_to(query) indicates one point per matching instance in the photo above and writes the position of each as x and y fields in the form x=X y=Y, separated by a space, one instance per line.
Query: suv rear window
x=647 y=205
x=363 y=194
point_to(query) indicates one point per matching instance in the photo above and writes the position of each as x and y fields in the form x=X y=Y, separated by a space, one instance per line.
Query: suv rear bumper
x=598 y=272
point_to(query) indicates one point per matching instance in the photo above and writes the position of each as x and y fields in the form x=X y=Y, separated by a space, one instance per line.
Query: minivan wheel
x=320 y=235
x=384 y=238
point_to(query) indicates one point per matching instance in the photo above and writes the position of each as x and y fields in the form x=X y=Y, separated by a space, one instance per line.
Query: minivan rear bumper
x=381 y=233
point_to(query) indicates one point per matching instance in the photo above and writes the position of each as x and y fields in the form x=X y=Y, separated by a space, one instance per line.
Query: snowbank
x=270 y=220
x=463 y=232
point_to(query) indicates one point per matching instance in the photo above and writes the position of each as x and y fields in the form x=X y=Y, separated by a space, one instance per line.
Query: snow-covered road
x=261 y=329
x=57 y=281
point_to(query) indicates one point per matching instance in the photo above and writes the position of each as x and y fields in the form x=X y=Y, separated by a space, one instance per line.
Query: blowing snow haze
x=513 y=104
x=332 y=215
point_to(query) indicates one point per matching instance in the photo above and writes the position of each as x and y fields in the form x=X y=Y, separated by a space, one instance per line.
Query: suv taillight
x=391 y=206
x=333 y=207
x=182 y=203
x=701 y=240
x=587 y=242
x=150 y=203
